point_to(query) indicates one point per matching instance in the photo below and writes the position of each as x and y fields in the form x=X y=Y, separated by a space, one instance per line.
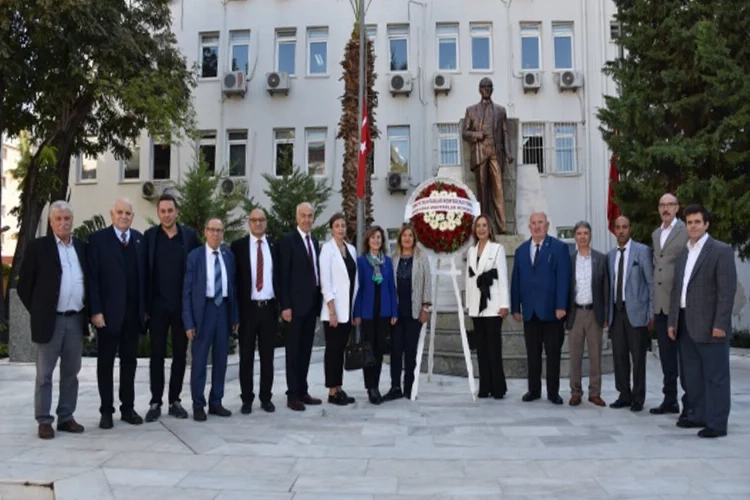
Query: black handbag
x=358 y=354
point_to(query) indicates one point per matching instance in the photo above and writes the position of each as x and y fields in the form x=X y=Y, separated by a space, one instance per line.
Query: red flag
x=613 y=211
x=363 y=150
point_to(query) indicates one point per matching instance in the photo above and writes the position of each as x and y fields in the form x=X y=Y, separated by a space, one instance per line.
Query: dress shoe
x=219 y=411
x=482 y=395
x=620 y=404
x=685 y=423
x=575 y=400
x=268 y=406
x=349 y=399
x=374 y=396
x=711 y=433
x=530 y=396
x=499 y=396
x=247 y=408
x=131 y=417
x=337 y=399
x=309 y=400
x=153 y=413
x=70 y=426
x=177 y=411
x=393 y=394
x=555 y=399
x=46 y=431
x=199 y=414
x=105 y=422
x=295 y=404
x=636 y=407
x=598 y=401
x=665 y=408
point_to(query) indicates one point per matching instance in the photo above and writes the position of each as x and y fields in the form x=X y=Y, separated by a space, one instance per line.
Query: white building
x=11 y=155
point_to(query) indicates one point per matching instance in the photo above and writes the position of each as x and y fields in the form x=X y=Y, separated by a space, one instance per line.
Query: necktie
x=259 y=267
x=124 y=237
x=311 y=259
x=536 y=254
x=218 y=293
x=620 y=272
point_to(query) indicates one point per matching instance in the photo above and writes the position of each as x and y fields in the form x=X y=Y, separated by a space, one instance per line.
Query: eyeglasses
x=665 y=205
x=257 y=221
x=214 y=229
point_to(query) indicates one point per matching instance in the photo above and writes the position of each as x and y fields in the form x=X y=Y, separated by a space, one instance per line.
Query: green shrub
x=4 y=351
x=741 y=339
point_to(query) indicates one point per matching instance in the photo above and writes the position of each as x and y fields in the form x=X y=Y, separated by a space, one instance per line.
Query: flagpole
x=362 y=62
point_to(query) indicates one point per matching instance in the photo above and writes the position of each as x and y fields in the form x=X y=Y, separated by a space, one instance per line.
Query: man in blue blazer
x=631 y=313
x=117 y=262
x=209 y=312
x=539 y=289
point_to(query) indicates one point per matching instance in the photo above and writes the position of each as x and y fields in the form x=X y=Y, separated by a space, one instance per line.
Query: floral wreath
x=442 y=212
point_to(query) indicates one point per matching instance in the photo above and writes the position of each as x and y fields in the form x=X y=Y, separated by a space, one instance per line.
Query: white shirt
x=532 y=250
x=119 y=233
x=625 y=267
x=693 y=252
x=584 y=294
x=210 y=263
x=666 y=231
x=314 y=255
x=266 y=293
x=71 y=281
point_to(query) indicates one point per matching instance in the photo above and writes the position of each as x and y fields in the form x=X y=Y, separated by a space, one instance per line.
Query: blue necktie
x=218 y=295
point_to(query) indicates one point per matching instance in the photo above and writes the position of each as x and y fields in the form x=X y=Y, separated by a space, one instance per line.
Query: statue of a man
x=486 y=131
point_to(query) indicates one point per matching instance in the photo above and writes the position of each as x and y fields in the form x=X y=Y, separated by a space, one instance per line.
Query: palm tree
x=349 y=125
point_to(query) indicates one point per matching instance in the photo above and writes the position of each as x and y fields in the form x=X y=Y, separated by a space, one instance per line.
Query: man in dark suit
x=256 y=288
x=167 y=248
x=669 y=241
x=117 y=264
x=52 y=286
x=300 y=302
x=631 y=313
x=539 y=289
x=700 y=318
x=209 y=313
x=586 y=318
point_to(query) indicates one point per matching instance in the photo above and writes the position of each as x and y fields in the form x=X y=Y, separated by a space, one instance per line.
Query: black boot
x=374 y=396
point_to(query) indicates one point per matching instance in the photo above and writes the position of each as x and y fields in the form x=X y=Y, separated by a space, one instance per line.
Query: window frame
x=233 y=44
x=285 y=36
x=123 y=165
x=570 y=35
x=490 y=38
x=573 y=150
x=279 y=141
x=236 y=142
x=153 y=162
x=396 y=138
x=310 y=42
x=454 y=36
x=541 y=150
x=537 y=33
x=449 y=135
x=203 y=45
x=394 y=34
x=309 y=141
x=208 y=138
x=79 y=171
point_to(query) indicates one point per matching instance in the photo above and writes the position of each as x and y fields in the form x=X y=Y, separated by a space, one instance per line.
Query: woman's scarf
x=376 y=263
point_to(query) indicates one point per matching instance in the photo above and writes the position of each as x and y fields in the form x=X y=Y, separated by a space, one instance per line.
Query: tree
x=682 y=118
x=349 y=126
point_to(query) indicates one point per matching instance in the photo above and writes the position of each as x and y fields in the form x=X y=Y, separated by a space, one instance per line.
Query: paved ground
x=442 y=446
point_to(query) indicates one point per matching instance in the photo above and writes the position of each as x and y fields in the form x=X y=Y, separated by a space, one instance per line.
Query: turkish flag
x=613 y=211
x=364 y=149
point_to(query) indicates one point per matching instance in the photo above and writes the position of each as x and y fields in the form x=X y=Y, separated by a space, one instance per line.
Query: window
x=131 y=169
x=315 y=145
x=450 y=144
x=371 y=32
x=481 y=47
x=207 y=150
x=86 y=167
x=283 y=147
x=392 y=235
x=398 y=144
x=317 y=49
x=209 y=55
x=532 y=142
x=161 y=158
x=239 y=48
x=565 y=148
x=286 y=45
x=531 y=47
x=398 y=41
x=447 y=40
x=563 y=38
x=237 y=147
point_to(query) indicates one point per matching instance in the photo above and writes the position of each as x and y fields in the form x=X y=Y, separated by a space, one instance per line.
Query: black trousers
x=333 y=359
x=299 y=335
x=671 y=363
x=629 y=342
x=163 y=323
x=110 y=341
x=404 y=342
x=261 y=328
x=375 y=332
x=550 y=336
x=489 y=342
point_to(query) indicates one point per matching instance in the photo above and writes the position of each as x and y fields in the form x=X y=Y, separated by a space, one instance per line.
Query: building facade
x=11 y=155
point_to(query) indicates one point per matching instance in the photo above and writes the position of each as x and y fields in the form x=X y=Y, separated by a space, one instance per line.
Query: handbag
x=358 y=354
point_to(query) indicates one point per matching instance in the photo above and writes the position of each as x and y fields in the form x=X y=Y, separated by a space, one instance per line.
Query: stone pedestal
x=22 y=349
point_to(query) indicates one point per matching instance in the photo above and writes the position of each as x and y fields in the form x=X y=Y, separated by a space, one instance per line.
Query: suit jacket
x=107 y=277
x=664 y=259
x=481 y=150
x=334 y=282
x=297 y=291
x=493 y=257
x=639 y=284
x=710 y=292
x=194 y=288
x=245 y=276
x=421 y=282
x=190 y=241
x=599 y=288
x=39 y=284
x=541 y=288
x=363 y=303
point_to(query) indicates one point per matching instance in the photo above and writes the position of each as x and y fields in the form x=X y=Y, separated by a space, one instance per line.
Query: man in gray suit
x=669 y=241
x=588 y=304
x=631 y=314
x=700 y=318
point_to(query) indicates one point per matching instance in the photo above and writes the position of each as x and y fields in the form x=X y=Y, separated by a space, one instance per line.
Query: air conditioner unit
x=569 y=80
x=151 y=190
x=400 y=84
x=227 y=186
x=277 y=83
x=234 y=83
x=441 y=83
x=397 y=181
x=532 y=81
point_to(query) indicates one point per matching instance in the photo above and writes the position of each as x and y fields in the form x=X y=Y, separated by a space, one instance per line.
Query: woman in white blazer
x=488 y=301
x=338 y=283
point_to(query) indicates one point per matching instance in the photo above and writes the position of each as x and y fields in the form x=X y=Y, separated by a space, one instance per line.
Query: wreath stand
x=453 y=273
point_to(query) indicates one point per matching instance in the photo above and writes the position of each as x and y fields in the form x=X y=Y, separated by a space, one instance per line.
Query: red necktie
x=259 y=267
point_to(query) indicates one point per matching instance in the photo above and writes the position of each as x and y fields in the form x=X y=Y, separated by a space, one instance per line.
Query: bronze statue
x=486 y=130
